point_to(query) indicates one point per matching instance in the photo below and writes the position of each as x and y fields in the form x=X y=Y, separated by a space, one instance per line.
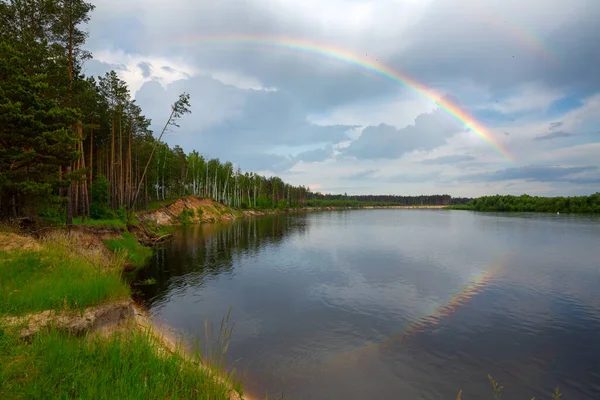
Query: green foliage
x=34 y=135
x=99 y=207
x=124 y=366
x=526 y=203
x=113 y=223
x=264 y=203
x=282 y=205
x=158 y=230
x=135 y=254
x=55 y=278
x=122 y=214
x=186 y=215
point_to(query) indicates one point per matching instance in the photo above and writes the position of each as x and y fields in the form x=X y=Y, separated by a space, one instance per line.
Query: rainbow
x=363 y=63
x=439 y=313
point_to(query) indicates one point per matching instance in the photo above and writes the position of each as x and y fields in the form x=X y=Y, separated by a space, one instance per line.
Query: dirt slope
x=198 y=210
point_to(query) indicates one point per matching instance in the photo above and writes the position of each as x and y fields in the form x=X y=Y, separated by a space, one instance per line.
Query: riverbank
x=64 y=289
x=194 y=210
x=68 y=326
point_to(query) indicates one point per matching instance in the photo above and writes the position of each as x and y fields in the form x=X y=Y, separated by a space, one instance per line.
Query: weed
x=496 y=388
x=186 y=215
x=114 y=223
x=136 y=254
x=57 y=365
x=55 y=278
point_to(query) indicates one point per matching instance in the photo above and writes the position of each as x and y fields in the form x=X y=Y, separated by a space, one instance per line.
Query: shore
x=195 y=210
x=65 y=288
x=68 y=325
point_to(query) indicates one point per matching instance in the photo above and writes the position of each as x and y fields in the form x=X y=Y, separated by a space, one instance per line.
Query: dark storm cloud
x=503 y=50
x=554 y=135
x=453 y=159
x=385 y=141
x=580 y=175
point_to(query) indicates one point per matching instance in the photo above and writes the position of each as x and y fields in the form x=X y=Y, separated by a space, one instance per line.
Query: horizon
x=400 y=97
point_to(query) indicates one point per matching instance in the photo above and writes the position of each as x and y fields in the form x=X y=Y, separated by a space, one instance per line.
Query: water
x=382 y=304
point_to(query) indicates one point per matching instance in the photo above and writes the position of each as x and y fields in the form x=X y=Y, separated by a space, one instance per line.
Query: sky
x=492 y=97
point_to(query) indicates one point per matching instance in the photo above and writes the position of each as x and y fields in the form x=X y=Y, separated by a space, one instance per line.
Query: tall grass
x=56 y=365
x=113 y=223
x=212 y=349
x=56 y=277
x=128 y=246
x=497 y=391
x=9 y=227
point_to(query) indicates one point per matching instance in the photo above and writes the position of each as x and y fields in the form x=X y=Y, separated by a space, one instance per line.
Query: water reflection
x=377 y=303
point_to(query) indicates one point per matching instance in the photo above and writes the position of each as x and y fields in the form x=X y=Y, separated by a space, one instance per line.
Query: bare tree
x=178 y=109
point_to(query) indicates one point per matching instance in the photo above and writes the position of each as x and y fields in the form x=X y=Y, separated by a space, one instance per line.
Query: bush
x=99 y=208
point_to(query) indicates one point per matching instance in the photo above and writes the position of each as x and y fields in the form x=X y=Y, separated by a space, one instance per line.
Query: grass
x=9 y=227
x=154 y=205
x=58 y=366
x=159 y=230
x=55 y=277
x=497 y=391
x=135 y=254
x=114 y=223
x=186 y=216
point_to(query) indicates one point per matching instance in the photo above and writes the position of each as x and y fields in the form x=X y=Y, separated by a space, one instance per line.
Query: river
x=403 y=304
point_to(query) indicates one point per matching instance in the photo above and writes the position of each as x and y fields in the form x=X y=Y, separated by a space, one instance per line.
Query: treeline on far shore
x=526 y=203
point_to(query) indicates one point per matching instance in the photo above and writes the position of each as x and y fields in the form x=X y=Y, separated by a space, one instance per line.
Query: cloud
x=555 y=125
x=554 y=135
x=579 y=174
x=384 y=141
x=528 y=97
x=530 y=79
x=499 y=47
x=316 y=155
x=368 y=173
x=452 y=159
x=240 y=124
x=146 y=68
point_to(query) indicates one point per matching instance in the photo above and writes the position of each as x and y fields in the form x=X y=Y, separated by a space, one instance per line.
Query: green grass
x=114 y=223
x=159 y=230
x=154 y=205
x=186 y=216
x=135 y=254
x=58 y=366
x=55 y=278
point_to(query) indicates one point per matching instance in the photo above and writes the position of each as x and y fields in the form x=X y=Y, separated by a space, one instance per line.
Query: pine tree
x=34 y=138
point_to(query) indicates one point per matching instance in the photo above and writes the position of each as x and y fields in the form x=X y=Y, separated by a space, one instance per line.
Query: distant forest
x=344 y=200
x=526 y=203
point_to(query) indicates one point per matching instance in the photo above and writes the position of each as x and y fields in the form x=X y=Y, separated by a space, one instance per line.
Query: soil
x=89 y=320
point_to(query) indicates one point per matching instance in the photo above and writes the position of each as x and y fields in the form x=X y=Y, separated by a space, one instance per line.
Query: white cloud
x=530 y=97
x=161 y=69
